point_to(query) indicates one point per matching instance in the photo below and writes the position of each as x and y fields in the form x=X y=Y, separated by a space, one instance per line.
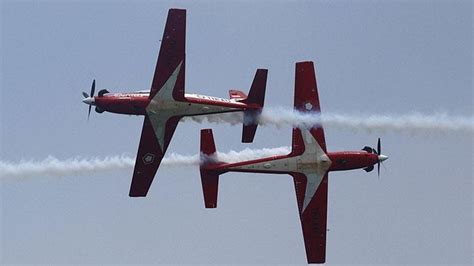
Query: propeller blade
x=93 y=88
x=379 y=147
x=87 y=96
x=378 y=169
x=379 y=152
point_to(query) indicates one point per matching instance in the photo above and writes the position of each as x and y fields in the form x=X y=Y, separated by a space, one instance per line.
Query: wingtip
x=135 y=195
x=305 y=63
x=177 y=10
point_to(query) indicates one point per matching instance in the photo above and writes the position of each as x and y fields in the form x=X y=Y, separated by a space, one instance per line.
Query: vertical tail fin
x=257 y=90
x=209 y=178
x=257 y=97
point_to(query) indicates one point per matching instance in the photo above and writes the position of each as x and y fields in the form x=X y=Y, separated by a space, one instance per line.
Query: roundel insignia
x=308 y=106
x=148 y=158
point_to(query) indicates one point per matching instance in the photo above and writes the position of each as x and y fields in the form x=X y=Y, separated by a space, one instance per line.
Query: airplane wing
x=167 y=85
x=311 y=184
x=314 y=217
x=172 y=55
x=306 y=97
x=153 y=144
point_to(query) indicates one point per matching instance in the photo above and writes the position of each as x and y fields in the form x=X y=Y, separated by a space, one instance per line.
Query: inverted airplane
x=166 y=103
x=308 y=164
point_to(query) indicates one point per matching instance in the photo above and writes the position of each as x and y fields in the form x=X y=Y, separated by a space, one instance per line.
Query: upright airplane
x=308 y=164
x=166 y=102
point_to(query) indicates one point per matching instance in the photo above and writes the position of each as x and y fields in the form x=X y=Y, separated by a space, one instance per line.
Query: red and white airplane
x=166 y=102
x=308 y=164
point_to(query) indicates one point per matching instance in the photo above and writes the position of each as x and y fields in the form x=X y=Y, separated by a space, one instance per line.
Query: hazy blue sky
x=390 y=57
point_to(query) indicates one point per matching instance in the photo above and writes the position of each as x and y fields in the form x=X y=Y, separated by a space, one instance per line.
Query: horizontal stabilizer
x=209 y=179
x=250 y=126
x=237 y=95
x=210 y=185
x=207 y=142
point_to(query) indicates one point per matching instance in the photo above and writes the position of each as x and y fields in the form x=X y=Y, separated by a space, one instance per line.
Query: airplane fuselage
x=283 y=164
x=136 y=103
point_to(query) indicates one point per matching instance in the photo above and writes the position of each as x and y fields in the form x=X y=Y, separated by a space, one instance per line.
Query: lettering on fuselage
x=212 y=98
x=127 y=95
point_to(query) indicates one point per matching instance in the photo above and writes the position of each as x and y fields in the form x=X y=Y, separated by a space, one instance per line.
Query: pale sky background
x=387 y=57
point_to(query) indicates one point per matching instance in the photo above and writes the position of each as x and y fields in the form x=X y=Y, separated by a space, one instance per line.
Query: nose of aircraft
x=382 y=158
x=88 y=100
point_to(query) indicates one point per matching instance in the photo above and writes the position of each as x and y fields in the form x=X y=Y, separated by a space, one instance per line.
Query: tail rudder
x=209 y=178
x=257 y=90
x=256 y=97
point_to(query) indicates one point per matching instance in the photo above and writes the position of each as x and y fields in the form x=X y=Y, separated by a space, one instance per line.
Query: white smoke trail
x=407 y=123
x=82 y=166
